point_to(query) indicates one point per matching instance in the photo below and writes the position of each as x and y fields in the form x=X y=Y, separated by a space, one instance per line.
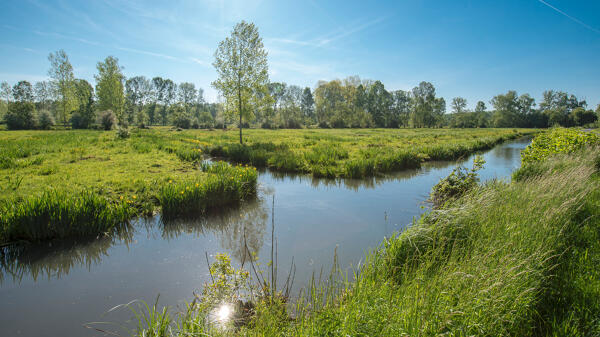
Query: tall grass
x=225 y=184
x=505 y=259
x=56 y=215
x=356 y=155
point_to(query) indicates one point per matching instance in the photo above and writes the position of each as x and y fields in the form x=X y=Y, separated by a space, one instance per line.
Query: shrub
x=122 y=132
x=107 y=119
x=558 y=140
x=457 y=183
x=45 y=120
x=20 y=116
x=182 y=121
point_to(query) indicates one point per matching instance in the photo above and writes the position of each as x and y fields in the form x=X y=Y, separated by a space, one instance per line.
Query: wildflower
x=181 y=192
x=197 y=184
x=134 y=197
x=170 y=181
x=121 y=197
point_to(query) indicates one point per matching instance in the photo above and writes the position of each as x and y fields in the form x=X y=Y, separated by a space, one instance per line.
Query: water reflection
x=57 y=258
x=235 y=227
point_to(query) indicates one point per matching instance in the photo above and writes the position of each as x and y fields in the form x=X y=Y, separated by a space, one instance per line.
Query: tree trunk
x=240 y=110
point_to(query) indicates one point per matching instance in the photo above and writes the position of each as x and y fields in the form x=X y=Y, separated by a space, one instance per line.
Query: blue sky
x=474 y=49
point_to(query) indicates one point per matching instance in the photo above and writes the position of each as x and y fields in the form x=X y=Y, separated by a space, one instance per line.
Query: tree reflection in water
x=234 y=227
x=57 y=258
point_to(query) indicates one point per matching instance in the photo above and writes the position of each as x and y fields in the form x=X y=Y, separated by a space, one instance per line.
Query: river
x=60 y=289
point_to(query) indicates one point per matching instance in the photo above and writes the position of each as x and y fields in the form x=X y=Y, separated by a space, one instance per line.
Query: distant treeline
x=348 y=103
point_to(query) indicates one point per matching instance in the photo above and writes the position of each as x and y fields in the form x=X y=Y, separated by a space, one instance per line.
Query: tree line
x=114 y=101
x=347 y=103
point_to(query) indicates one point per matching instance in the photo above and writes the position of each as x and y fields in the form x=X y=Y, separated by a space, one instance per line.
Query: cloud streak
x=571 y=17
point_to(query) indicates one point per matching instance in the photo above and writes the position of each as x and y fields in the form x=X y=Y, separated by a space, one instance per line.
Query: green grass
x=97 y=177
x=350 y=153
x=59 y=184
x=505 y=259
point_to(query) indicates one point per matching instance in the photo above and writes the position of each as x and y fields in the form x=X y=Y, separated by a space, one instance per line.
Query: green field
x=100 y=180
x=513 y=258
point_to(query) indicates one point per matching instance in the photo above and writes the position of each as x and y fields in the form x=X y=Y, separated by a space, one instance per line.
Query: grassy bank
x=351 y=153
x=60 y=184
x=56 y=184
x=505 y=259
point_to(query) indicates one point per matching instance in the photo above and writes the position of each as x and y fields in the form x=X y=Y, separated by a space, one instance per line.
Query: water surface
x=54 y=289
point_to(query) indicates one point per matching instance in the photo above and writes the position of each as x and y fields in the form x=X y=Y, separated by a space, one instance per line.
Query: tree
x=137 y=92
x=21 y=112
x=241 y=64
x=427 y=109
x=187 y=94
x=169 y=93
x=307 y=105
x=23 y=92
x=458 y=105
x=378 y=105
x=63 y=81
x=84 y=116
x=5 y=92
x=109 y=87
x=506 y=108
x=43 y=93
x=558 y=105
x=583 y=117
x=20 y=115
x=291 y=114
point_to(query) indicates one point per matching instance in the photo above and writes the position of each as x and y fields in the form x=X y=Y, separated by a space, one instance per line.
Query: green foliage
x=20 y=116
x=224 y=185
x=107 y=119
x=241 y=65
x=45 y=120
x=557 y=140
x=134 y=172
x=459 y=182
x=55 y=215
x=354 y=153
x=109 y=87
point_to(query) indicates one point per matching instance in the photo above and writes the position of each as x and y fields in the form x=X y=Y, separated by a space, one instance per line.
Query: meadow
x=505 y=259
x=72 y=183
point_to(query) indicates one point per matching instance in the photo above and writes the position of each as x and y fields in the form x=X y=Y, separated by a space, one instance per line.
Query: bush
x=107 y=119
x=20 y=116
x=45 y=120
x=460 y=181
x=122 y=132
x=558 y=140
x=182 y=121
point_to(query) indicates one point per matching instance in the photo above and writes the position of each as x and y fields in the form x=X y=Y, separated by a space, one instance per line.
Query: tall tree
x=307 y=105
x=400 y=108
x=169 y=94
x=379 y=102
x=109 y=87
x=63 y=83
x=186 y=93
x=458 y=105
x=5 y=92
x=43 y=93
x=83 y=117
x=23 y=92
x=506 y=109
x=427 y=109
x=137 y=92
x=241 y=64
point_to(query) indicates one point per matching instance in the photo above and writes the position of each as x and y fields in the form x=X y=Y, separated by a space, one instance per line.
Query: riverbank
x=65 y=184
x=516 y=258
x=60 y=184
x=353 y=153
